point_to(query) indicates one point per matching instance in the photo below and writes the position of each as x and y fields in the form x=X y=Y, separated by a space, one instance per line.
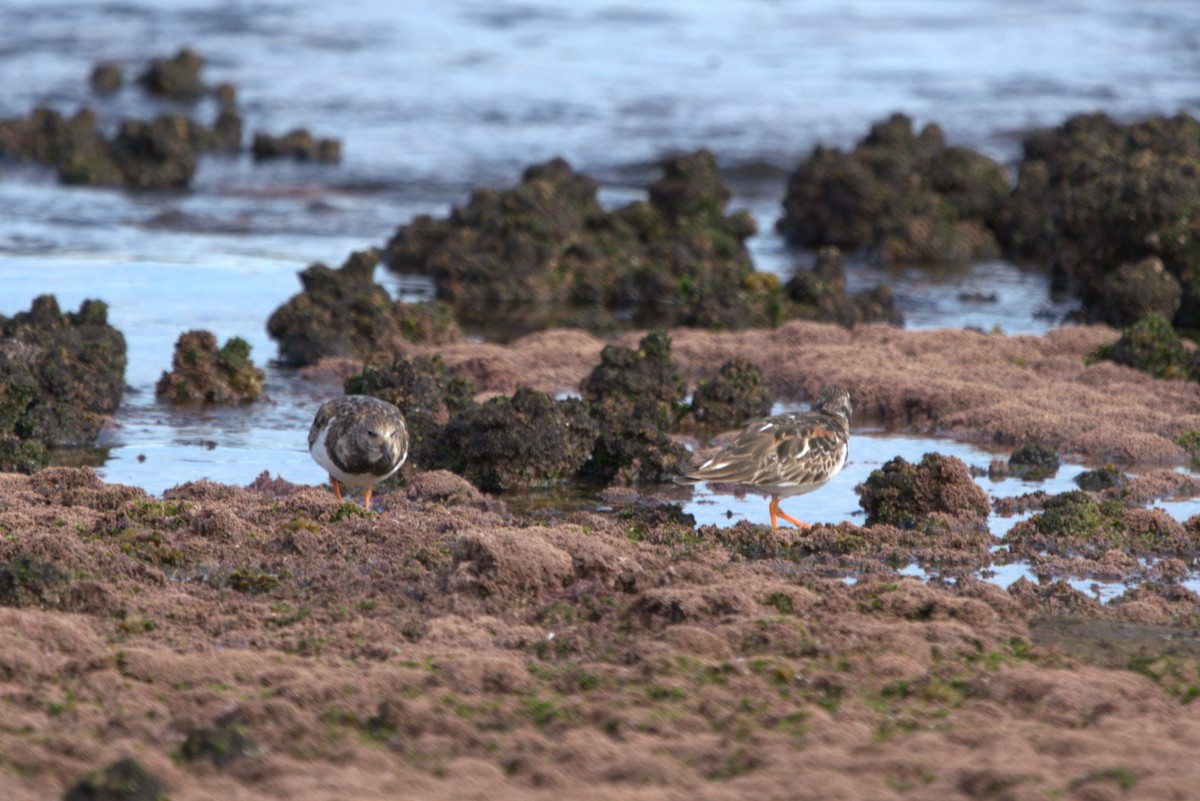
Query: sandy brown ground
x=269 y=642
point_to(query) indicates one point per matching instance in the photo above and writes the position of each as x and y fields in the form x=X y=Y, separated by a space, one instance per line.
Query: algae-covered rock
x=823 y=288
x=528 y=440
x=298 y=144
x=733 y=396
x=1152 y=346
x=202 y=373
x=546 y=252
x=107 y=77
x=122 y=780
x=1102 y=478
x=143 y=155
x=1033 y=461
x=61 y=375
x=1093 y=194
x=177 y=77
x=1138 y=289
x=635 y=395
x=421 y=387
x=902 y=494
x=156 y=155
x=633 y=445
x=1076 y=524
x=898 y=196
x=344 y=312
x=644 y=373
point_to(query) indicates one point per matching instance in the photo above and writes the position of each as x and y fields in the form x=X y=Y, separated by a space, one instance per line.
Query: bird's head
x=834 y=400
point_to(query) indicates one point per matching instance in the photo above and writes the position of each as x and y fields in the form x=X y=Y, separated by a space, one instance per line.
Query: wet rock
x=177 y=78
x=298 y=144
x=226 y=133
x=1138 y=289
x=902 y=494
x=107 y=78
x=823 y=288
x=546 y=252
x=73 y=146
x=733 y=396
x=1101 y=479
x=143 y=155
x=528 y=440
x=123 y=780
x=635 y=395
x=630 y=375
x=202 y=373
x=1152 y=346
x=1074 y=524
x=1093 y=194
x=633 y=445
x=421 y=387
x=1034 y=462
x=61 y=375
x=344 y=312
x=156 y=155
x=899 y=196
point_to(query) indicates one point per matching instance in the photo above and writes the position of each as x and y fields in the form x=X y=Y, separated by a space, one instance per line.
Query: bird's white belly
x=320 y=454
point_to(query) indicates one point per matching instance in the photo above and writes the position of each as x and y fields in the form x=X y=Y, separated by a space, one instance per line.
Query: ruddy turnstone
x=359 y=440
x=788 y=454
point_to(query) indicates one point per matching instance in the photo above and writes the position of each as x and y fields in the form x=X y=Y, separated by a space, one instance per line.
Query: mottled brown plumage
x=359 y=440
x=788 y=454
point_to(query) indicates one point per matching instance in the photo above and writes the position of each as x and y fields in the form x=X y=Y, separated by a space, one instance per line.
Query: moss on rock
x=200 y=373
x=528 y=440
x=1033 y=461
x=344 y=312
x=1152 y=346
x=899 y=196
x=634 y=374
x=61 y=376
x=1093 y=194
x=903 y=494
x=421 y=387
x=733 y=396
x=546 y=252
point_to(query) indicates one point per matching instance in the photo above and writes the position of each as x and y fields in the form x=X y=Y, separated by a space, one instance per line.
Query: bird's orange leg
x=367 y=499
x=337 y=488
x=775 y=510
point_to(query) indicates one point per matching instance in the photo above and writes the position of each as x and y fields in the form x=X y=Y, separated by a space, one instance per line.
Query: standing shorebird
x=359 y=440
x=788 y=454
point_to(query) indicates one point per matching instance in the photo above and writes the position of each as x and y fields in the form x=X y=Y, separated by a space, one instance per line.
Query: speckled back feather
x=788 y=453
x=364 y=436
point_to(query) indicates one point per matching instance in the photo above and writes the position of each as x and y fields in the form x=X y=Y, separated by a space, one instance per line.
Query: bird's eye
x=374 y=434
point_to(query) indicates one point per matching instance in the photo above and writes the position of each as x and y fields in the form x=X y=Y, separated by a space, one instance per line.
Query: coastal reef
x=546 y=253
x=202 y=373
x=61 y=376
x=152 y=154
x=271 y=642
x=899 y=196
x=344 y=312
x=1094 y=195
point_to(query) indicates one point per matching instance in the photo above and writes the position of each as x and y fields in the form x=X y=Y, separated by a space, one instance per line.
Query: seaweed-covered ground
x=271 y=642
